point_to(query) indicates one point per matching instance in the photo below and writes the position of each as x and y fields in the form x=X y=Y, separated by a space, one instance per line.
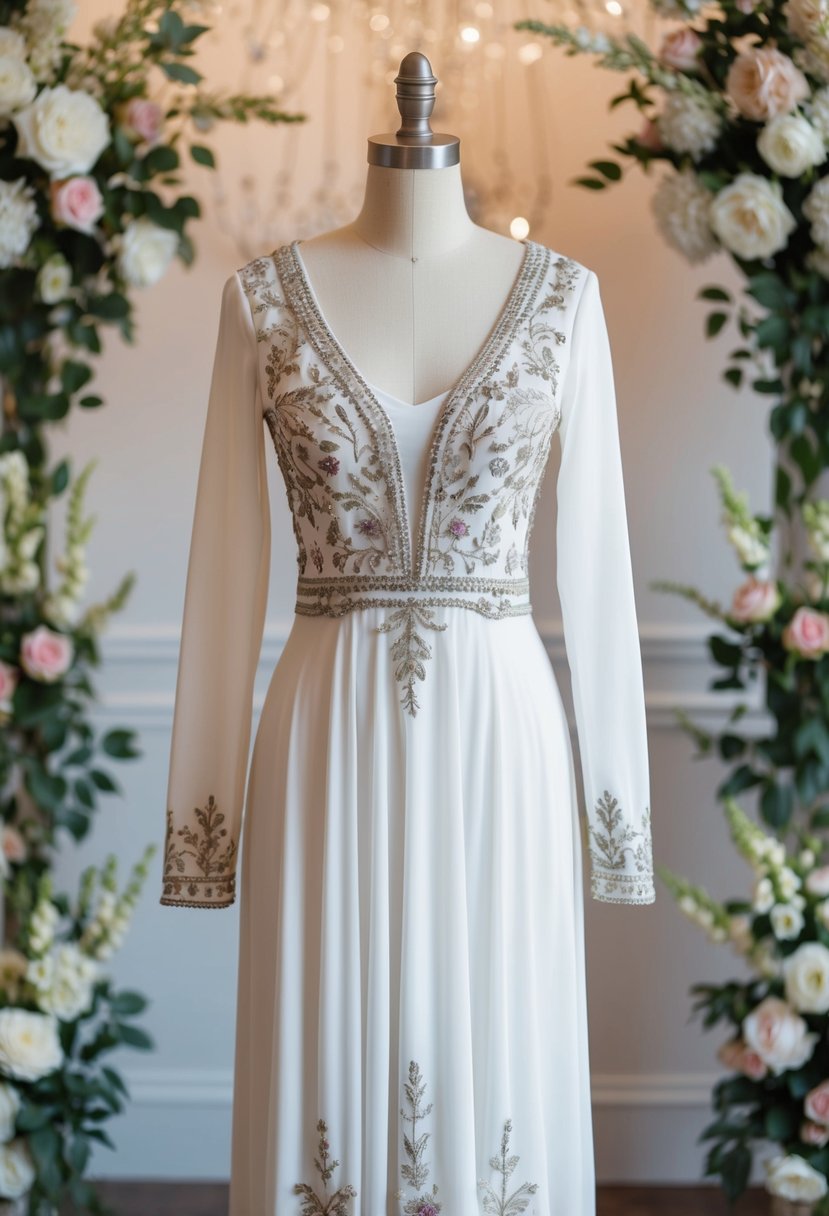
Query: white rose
x=29 y=1044
x=17 y=84
x=17 y=1170
x=63 y=130
x=10 y=1103
x=806 y=974
x=681 y=206
x=146 y=252
x=54 y=279
x=18 y=220
x=67 y=999
x=794 y=1179
x=786 y=921
x=790 y=145
x=750 y=217
x=780 y=1036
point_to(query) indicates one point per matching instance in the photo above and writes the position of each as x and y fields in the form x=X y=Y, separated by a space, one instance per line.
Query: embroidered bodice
x=545 y=368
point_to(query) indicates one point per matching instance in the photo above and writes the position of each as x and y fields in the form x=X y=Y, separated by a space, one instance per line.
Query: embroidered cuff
x=199 y=860
x=621 y=855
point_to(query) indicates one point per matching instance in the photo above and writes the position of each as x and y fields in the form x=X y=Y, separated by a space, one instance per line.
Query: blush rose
x=77 y=203
x=807 y=633
x=45 y=655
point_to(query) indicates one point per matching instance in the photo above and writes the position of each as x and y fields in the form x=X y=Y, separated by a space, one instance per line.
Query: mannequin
x=414 y=267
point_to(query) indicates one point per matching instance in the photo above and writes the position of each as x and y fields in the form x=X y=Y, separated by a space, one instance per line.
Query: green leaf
x=776 y=804
x=714 y=323
x=91 y=402
x=203 y=156
x=812 y=736
x=607 y=168
x=127 y=1003
x=162 y=159
x=60 y=477
x=119 y=743
x=112 y=307
x=734 y=376
x=103 y=781
x=714 y=293
x=590 y=183
x=133 y=1036
x=180 y=73
x=74 y=375
x=781 y=1123
x=769 y=290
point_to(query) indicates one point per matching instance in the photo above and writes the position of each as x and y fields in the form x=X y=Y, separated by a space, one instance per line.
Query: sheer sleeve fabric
x=595 y=585
x=224 y=610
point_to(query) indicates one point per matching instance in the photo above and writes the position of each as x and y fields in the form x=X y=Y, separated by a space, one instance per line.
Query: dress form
x=414 y=270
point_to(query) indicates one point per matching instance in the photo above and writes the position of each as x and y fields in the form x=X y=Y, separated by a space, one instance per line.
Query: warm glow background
x=652 y=1070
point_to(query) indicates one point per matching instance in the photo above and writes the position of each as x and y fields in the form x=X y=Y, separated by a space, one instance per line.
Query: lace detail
x=620 y=854
x=337 y=451
x=200 y=872
x=502 y=1204
x=335 y=1204
x=415 y=1170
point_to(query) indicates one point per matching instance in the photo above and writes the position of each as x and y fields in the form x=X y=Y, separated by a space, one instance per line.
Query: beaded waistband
x=347 y=593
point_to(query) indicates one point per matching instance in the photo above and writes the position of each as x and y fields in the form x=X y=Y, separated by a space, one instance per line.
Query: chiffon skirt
x=411 y=1028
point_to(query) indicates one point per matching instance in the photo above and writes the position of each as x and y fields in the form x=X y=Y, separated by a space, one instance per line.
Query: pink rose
x=755 y=600
x=77 y=203
x=779 y=1036
x=765 y=82
x=817 y=883
x=45 y=655
x=680 y=49
x=14 y=846
x=807 y=633
x=141 y=119
x=8 y=681
x=649 y=136
x=813 y=1133
x=816 y=1104
x=734 y=1054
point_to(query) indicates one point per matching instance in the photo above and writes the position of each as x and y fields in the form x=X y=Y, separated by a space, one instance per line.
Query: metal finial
x=414 y=145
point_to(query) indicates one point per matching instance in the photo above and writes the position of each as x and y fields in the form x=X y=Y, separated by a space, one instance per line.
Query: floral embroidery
x=620 y=854
x=337 y=451
x=495 y=1204
x=324 y=1205
x=416 y=1169
x=209 y=849
x=410 y=650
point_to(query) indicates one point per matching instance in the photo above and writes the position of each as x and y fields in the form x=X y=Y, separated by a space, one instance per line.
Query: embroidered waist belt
x=413 y=602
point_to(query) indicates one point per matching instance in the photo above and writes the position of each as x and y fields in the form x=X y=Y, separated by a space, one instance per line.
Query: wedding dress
x=411 y=1016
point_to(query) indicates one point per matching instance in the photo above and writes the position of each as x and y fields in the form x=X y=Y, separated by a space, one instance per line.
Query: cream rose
x=63 y=130
x=45 y=655
x=780 y=1036
x=12 y=43
x=750 y=217
x=817 y=883
x=680 y=49
x=734 y=1054
x=794 y=1179
x=755 y=600
x=790 y=145
x=786 y=921
x=17 y=1169
x=807 y=633
x=10 y=1103
x=17 y=84
x=77 y=203
x=54 y=279
x=29 y=1044
x=146 y=252
x=765 y=82
x=806 y=975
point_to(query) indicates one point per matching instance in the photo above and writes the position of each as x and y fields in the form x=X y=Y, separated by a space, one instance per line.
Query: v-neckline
x=499 y=335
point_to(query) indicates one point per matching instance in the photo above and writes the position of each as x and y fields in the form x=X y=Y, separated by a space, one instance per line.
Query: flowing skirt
x=411 y=1030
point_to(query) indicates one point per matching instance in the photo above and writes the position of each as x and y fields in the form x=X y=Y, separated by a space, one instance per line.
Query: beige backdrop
x=652 y=1068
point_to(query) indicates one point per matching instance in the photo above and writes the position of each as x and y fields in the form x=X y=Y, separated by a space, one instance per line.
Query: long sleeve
x=224 y=610
x=595 y=585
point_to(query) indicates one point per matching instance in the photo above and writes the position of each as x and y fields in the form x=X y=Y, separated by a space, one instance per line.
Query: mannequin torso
x=414 y=268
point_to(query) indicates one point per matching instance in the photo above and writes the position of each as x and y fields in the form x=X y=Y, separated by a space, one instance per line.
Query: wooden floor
x=204 y=1199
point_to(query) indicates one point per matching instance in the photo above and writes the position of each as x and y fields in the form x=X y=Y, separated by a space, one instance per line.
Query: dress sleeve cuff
x=199 y=859
x=621 y=854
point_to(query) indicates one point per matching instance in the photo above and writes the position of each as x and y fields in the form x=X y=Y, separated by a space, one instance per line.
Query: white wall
x=652 y=1069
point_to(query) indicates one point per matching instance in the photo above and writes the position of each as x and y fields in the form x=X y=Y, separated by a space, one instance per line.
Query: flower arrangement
x=92 y=209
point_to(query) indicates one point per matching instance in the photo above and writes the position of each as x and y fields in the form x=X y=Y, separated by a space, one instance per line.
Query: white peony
x=17 y=1169
x=790 y=145
x=816 y=210
x=780 y=1036
x=18 y=220
x=681 y=206
x=146 y=252
x=688 y=124
x=54 y=279
x=750 y=217
x=17 y=84
x=786 y=921
x=794 y=1179
x=806 y=974
x=64 y=130
x=29 y=1044
x=10 y=1103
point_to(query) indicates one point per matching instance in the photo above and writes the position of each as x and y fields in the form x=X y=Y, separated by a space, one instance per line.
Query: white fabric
x=411 y=886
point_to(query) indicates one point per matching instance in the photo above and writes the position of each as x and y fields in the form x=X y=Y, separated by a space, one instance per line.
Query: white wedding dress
x=411 y=1021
